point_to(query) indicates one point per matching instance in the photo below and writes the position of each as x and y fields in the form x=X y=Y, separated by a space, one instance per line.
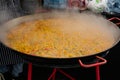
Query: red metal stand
x=115 y=18
x=29 y=71
x=97 y=73
x=52 y=76
x=101 y=61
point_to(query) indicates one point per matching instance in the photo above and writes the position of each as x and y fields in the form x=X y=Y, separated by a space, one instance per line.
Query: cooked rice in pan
x=57 y=38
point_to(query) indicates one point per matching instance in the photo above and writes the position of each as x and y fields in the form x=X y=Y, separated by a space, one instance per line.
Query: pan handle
x=101 y=62
x=115 y=18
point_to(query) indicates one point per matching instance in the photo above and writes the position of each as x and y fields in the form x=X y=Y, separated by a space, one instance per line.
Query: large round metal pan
x=54 y=62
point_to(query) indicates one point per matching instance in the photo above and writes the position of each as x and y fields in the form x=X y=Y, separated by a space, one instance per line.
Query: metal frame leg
x=29 y=71
x=97 y=72
x=52 y=76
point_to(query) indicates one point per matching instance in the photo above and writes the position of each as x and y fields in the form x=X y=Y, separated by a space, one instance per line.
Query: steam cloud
x=87 y=22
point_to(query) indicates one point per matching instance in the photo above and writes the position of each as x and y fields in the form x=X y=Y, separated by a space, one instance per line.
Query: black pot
x=56 y=62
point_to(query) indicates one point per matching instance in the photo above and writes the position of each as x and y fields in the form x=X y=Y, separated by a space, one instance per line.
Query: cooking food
x=58 y=38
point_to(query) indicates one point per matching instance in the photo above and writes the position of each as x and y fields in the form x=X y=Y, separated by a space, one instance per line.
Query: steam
x=86 y=23
x=5 y=16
